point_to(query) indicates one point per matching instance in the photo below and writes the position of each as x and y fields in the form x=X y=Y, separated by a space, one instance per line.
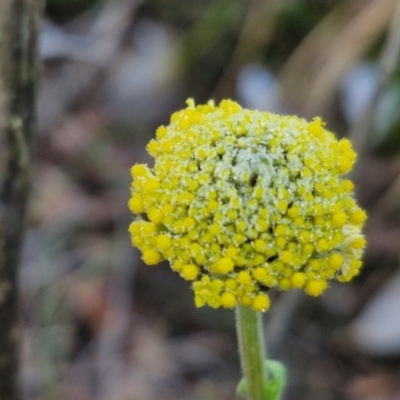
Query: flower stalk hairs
x=242 y=201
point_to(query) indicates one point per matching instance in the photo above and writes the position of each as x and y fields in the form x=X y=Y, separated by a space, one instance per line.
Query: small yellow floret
x=244 y=278
x=230 y=106
x=315 y=288
x=358 y=243
x=241 y=226
x=308 y=249
x=315 y=127
x=344 y=165
x=286 y=257
x=358 y=217
x=285 y=284
x=163 y=242
x=195 y=249
x=215 y=229
x=151 y=257
x=280 y=230
x=189 y=223
x=152 y=185
x=138 y=170
x=246 y=300
x=322 y=245
x=167 y=209
x=260 y=273
x=225 y=265
x=190 y=103
x=314 y=264
x=335 y=260
x=304 y=237
x=261 y=302
x=155 y=215
x=345 y=145
x=230 y=284
x=348 y=185
x=259 y=259
x=149 y=228
x=161 y=132
x=282 y=206
x=153 y=147
x=136 y=204
x=228 y=300
x=298 y=279
x=259 y=245
x=190 y=272
x=135 y=227
x=231 y=252
x=137 y=240
x=339 y=218
x=344 y=278
x=293 y=212
x=177 y=265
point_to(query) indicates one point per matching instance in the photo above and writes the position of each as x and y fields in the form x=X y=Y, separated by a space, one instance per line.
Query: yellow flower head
x=240 y=201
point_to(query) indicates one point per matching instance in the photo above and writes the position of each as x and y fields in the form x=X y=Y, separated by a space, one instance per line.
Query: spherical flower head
x=240 y=201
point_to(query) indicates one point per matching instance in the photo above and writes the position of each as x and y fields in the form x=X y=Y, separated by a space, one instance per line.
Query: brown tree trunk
x=19 y=66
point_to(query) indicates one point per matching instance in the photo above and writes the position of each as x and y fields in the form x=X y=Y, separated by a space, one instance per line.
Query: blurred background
x=97 y=323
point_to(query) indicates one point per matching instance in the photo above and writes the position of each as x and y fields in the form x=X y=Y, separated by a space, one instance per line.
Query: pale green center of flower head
x=240 y=201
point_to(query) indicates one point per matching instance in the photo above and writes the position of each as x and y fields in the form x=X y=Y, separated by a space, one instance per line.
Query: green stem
x=252 y=351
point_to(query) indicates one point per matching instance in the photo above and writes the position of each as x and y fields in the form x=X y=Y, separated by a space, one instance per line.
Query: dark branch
x=19 y=66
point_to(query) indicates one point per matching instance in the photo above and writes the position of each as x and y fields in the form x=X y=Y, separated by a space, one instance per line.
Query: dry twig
x=311 y=75
x=388 y=62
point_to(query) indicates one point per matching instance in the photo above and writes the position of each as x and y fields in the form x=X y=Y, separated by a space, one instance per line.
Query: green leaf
x=276 y=376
